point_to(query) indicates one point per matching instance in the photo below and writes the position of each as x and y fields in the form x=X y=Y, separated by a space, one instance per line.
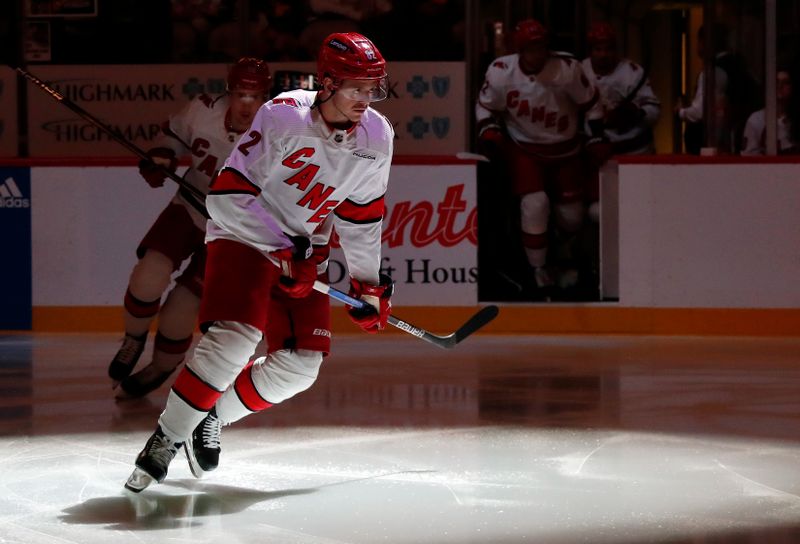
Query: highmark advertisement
x=425 y=105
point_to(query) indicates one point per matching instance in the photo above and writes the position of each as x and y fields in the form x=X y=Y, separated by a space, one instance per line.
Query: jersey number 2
x=255 y=137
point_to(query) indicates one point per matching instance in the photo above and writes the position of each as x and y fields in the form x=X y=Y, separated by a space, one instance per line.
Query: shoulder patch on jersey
x=206 y=100
x=286 y=101
x=634 y=66
x=500 y=64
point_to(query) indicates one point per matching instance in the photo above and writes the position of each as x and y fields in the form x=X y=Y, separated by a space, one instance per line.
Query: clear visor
x=248 y=96
x=368 y=90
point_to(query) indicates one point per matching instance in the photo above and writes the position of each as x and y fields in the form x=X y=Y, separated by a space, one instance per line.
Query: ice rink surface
x=504 y=439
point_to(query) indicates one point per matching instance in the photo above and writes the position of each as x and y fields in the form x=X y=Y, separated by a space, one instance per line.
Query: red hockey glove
x=373 y=317
x=152 y=170
x=490 y=141
x=298 y=269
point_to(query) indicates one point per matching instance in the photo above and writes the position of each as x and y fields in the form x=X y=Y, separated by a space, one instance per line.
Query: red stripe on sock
x=534 y=241
x=247 y=393
x=140 y=308
x=197 y=393
x=168 y=345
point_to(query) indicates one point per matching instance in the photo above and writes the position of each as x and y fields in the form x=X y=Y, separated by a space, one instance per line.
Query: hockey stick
x=477 y=321
x=115 y=135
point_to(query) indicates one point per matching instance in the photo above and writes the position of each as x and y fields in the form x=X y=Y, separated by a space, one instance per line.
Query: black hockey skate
x=153 y=461
x=143 y=382
x=126 y=357
x=203 y=447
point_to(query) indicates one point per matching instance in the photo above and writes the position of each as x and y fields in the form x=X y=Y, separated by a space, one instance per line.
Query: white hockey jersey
x=617 y=87
x=754 y=138
x=203 y=131
x=291 y=174
x=543 y=108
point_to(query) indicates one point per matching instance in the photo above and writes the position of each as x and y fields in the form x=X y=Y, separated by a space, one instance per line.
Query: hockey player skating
x=311 y=161
x=206 y=130
x=528 y=112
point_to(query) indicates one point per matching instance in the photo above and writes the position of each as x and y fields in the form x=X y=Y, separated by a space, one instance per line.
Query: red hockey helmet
x=250 y=74
x=529 y=31
x=601 y=32
x=350 y=55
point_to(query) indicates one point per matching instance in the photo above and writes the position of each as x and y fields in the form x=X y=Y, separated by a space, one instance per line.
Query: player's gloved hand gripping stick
x=481 y=318
x=300 y=249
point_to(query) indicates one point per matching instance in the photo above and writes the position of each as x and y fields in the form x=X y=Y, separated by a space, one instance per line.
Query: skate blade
x=194 y=467
x=138 y=480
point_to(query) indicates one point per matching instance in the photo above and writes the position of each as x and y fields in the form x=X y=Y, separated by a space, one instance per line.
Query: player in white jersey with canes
x=529 y=109
x=206 y=130
x=311 y=161
x=630 y=107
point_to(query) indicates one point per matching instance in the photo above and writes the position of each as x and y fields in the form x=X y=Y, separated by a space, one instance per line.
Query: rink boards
x=689 y=246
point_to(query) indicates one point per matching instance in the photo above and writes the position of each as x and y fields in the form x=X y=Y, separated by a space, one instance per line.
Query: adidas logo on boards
x=11 y=196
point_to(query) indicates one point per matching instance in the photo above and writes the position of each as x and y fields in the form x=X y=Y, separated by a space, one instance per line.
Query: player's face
x=243 y=106
x=533 y=57
x=353 y=96
x=604 y=57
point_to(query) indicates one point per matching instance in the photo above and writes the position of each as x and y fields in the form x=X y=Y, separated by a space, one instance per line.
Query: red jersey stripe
x=230 y=181
x=361 y=213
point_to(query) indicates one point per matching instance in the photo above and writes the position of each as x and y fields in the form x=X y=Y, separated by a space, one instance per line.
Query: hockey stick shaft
x=477 y=321
x=115 y=135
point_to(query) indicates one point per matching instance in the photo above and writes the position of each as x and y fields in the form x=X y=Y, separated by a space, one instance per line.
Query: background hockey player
x=310 y=162
x=630 y=108
x=206 y=130
x=529 y=110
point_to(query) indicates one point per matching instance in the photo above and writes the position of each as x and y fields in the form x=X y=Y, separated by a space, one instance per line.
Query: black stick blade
x=477 y=321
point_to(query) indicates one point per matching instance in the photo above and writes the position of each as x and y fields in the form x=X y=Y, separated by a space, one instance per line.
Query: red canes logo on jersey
x=349 y=55
x=249 y=74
